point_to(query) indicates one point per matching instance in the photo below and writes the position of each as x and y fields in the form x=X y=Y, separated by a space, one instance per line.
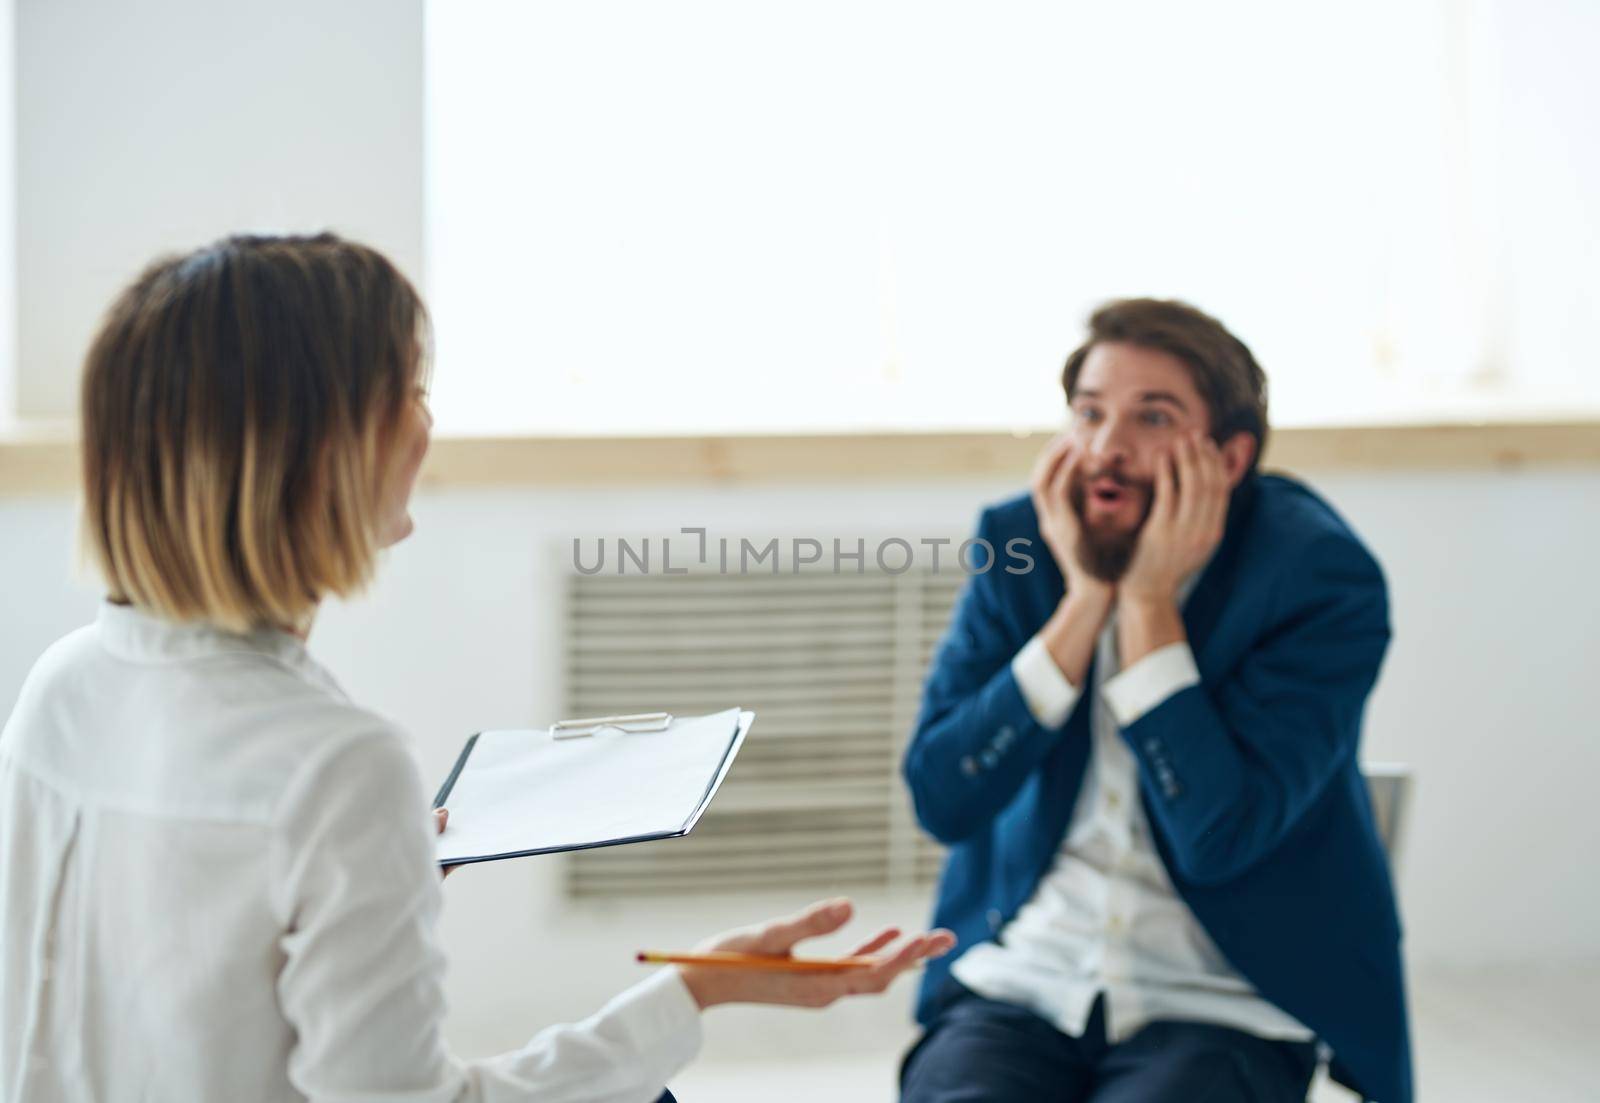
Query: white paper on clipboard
x=519 y=792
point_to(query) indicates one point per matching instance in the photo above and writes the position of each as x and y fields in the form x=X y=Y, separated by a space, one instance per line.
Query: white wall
x=1488 y=692
x=154 y=127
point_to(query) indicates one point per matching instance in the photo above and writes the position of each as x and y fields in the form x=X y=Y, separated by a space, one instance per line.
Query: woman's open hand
x=714 y=984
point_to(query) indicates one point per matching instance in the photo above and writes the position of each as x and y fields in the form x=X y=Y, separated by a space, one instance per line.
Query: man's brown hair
x=1224 y=370
x=237 y=409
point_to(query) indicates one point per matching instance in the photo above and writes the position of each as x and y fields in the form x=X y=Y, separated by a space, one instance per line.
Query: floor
x=1507 y=1036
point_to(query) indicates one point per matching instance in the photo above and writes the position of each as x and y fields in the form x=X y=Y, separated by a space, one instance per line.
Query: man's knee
x=1203 y=1064
x=981 y=1051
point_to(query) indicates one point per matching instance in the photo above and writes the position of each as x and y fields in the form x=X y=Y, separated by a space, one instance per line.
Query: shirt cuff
x=1047 y=692
x=1150 y=681
x=662 y=1022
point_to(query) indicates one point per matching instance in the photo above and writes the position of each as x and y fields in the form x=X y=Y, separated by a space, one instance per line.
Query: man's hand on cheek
x=1186 y=519
x=1051 y=488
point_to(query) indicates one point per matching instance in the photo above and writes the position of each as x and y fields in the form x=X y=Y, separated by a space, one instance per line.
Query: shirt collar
x=132 y=633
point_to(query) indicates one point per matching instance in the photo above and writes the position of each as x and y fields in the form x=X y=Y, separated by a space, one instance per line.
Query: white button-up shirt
x=218 y=883
x=1105 y=918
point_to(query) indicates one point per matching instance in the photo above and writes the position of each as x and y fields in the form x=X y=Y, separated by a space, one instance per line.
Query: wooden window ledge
x=45 y=462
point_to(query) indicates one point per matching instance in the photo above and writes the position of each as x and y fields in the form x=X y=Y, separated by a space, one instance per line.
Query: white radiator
x=831 y=663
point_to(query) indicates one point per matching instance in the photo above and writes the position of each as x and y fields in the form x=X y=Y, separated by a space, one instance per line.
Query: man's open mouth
x=1108 y=492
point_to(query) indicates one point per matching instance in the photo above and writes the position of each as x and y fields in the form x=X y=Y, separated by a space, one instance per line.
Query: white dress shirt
x=1105 y=918
x=218 y=884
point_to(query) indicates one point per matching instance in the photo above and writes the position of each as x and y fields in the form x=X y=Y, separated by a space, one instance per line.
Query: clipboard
x=577 y=785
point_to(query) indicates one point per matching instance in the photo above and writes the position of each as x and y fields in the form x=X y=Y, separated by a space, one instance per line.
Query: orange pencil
x=729 y=960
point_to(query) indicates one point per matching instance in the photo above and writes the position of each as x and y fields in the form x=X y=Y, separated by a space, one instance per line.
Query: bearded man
x=1164 y=870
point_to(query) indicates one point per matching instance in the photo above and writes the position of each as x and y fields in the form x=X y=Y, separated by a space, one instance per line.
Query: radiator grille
x=832 y=664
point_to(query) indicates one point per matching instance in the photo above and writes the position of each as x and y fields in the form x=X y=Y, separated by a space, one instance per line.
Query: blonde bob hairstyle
x=239 y=404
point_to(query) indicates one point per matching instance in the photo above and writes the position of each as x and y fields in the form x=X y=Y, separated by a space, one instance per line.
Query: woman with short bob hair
x=240 y=410
x=217 y=873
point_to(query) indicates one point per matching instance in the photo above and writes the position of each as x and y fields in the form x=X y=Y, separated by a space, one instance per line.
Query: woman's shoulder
x=61 y=673
x=209 y=733
x=351 y=825
x=61 y=659
x=309 y=743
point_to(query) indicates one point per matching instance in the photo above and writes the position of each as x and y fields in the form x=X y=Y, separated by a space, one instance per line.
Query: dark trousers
x=984 y=1051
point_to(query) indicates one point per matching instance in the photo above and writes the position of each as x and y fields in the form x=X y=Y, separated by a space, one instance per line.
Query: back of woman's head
x=237 y=407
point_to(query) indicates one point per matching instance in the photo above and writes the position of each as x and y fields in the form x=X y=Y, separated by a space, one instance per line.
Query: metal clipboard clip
x=637 y=722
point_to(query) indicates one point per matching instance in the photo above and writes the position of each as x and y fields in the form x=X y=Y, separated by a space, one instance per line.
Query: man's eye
x=1088 y=413
x=1157 y=418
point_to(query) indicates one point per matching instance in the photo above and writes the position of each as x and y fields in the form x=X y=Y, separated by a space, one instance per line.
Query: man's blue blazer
x=1250 y=779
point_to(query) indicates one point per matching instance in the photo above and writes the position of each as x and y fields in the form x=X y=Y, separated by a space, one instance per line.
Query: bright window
x=722 y=216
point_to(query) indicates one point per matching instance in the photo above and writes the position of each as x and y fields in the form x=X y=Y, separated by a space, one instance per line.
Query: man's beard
x=1105 y=552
